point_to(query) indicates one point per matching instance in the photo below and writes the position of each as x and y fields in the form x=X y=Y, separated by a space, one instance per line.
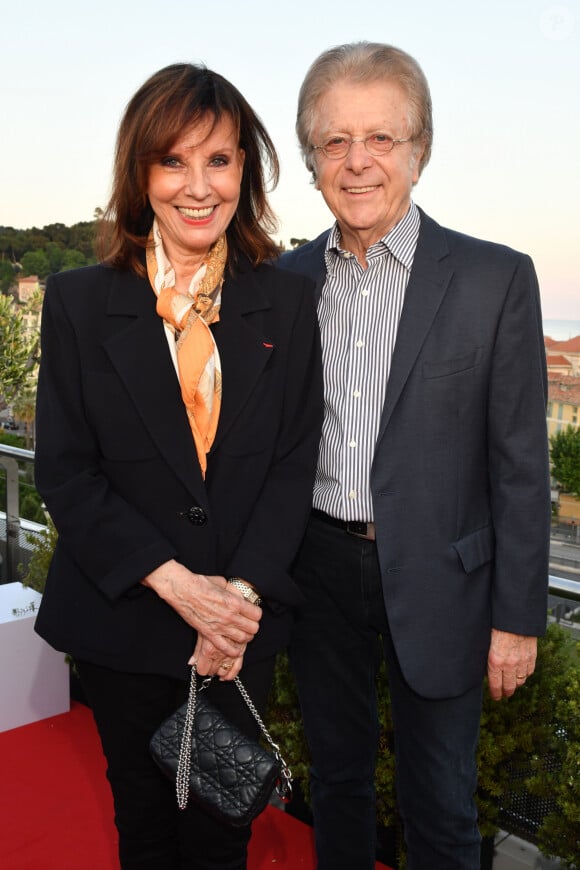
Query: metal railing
x=564 y=588
x=12 y=543
x=13 y=539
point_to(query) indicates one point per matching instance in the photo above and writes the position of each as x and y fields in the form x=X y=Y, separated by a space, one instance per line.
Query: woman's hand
x=211 y=662
x=219 y=613
x=209 y=659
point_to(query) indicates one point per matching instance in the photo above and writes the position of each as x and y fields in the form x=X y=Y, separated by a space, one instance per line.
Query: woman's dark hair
x=170 y=101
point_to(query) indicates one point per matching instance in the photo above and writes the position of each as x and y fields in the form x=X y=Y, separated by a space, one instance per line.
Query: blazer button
x=197 y=516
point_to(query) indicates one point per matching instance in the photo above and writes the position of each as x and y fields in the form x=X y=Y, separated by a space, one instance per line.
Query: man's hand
x=511 y=660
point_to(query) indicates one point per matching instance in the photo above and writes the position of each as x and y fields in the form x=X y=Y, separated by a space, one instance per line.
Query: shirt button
x=364 y=292
x=352 y=494
x=352 y=443
x=356 y=394
x=360 y=343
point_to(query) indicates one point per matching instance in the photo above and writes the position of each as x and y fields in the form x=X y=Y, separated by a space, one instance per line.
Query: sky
x=504 y=78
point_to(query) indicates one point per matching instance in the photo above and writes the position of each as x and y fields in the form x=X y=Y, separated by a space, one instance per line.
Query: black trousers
x=338 y=640
x=153 y=833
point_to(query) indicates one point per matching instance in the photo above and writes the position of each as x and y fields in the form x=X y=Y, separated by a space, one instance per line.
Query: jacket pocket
x=475 y=549
x=454 y=365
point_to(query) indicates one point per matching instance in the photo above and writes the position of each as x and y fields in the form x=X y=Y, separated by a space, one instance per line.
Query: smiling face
x=367 y=195
x=194 y=189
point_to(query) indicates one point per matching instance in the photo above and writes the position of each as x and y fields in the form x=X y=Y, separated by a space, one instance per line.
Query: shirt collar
x=401 y=241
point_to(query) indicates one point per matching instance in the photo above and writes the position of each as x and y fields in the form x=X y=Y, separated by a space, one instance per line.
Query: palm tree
x=25 y=410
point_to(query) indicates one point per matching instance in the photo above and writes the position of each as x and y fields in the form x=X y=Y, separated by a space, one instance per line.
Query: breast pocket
x=453 y=365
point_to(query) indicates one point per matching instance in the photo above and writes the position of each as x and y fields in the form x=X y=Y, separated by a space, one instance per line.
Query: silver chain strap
x=284 y=784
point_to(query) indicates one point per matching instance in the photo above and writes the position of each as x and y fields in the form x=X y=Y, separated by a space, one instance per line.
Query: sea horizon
x=561 y=330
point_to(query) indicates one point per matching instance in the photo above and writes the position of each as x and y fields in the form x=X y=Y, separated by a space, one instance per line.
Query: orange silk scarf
x=198 y=359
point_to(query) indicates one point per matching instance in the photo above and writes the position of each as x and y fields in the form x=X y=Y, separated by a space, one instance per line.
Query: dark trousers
x=153 y=833
x=335 y=652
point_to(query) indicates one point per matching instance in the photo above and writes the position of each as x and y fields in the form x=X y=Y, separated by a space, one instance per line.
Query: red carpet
x=56 y=810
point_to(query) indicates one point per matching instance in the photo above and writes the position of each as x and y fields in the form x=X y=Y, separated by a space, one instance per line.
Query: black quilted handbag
x=226 y=773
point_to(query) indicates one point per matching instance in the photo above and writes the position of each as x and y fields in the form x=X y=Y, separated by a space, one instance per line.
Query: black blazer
x=460 y=479
x=117 y=468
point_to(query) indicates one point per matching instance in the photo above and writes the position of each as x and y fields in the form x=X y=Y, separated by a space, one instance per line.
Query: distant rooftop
x=572 y=345
x=564 y=388
x=557 y=359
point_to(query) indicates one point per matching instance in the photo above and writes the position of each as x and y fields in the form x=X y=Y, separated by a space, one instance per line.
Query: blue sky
x=504 y=76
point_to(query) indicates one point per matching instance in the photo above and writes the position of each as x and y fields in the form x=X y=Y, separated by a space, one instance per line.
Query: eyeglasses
x=377 y=144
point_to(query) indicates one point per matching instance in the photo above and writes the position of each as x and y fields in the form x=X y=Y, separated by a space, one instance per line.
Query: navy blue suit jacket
x=460 y=479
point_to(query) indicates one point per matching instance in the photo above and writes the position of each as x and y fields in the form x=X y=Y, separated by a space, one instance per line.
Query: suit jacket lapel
x=309 y=260
x=139 y=352
x=153 y=384
x=315 y=264
x=428 y=282
x=244 y=349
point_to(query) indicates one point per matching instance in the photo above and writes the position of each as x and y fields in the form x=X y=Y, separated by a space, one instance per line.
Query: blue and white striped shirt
x=359 y=312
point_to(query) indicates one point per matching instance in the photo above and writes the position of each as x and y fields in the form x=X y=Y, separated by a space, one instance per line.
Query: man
x=430 y=528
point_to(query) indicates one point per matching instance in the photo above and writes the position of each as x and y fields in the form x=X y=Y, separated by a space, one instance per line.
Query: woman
x=179 y=405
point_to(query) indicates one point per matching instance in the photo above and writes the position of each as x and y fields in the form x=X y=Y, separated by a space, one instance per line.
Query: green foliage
x=18 y=354
x=55 y=255
x=565 y=455
x=73 y=260
x=529 y=744
x=6 y=276
x=35 y=263
x=31 y=507
x=559 y=834
x=11 y=439
x=24 y=407
x=285 y=723
x=520 y=735
x=80 y=237
x=43 y=548
x=43 y=251
x=385 y=772
x=31 y=504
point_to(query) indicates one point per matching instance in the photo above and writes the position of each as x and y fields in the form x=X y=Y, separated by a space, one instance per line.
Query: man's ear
x=416 y=157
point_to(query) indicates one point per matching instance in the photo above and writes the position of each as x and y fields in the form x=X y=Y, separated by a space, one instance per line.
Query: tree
x=73 y=260
x=18 y=351
x=565 y=454
x=35 y=263
x=24 y=408
x=55 y=255
x=6 y=276
x=52 y=241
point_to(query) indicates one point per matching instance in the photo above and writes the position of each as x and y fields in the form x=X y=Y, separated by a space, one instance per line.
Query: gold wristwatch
x=248 y=591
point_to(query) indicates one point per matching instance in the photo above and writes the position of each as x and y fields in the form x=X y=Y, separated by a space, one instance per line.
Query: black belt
x=361 y=530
